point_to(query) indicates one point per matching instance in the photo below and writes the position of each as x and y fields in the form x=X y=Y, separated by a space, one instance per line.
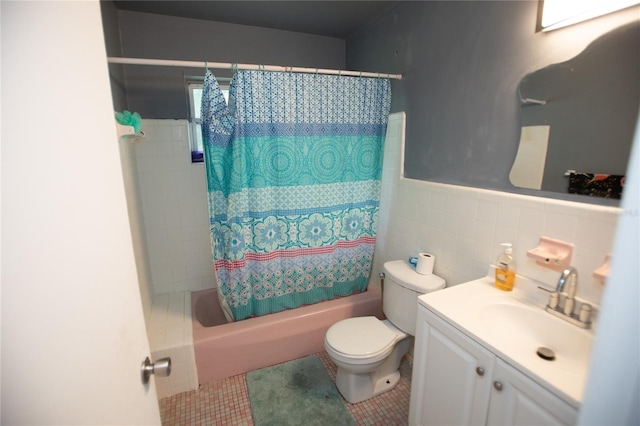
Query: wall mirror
x=580 y=116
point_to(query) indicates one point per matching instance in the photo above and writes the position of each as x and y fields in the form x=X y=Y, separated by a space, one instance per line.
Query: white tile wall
x=171 y=335
x=176 y=224
x=138 y=236
x=175 y=210
x=463 y=227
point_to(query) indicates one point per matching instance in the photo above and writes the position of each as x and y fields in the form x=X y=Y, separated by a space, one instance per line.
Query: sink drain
x=546 y=353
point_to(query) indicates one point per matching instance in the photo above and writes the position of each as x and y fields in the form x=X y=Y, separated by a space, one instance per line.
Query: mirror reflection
x=578 y=119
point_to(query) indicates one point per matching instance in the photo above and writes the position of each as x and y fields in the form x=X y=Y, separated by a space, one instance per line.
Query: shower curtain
x=293 y=168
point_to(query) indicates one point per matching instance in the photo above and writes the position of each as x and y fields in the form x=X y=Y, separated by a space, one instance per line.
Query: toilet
x=367 y=350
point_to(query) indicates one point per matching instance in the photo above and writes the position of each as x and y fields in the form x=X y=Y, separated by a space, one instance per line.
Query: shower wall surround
x=464 y=226
x=175 y=211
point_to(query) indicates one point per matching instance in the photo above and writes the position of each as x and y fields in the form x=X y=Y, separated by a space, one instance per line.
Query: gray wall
x=159 y=92
x=462 y=63
x=111 y=31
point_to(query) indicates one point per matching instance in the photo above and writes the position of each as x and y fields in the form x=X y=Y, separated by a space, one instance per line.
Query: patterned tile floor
x=226 y=402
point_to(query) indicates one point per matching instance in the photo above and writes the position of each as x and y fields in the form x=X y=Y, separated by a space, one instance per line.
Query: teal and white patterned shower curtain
x=293 y=173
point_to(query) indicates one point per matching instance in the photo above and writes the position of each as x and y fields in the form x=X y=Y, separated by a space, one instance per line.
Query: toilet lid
x=360 y=336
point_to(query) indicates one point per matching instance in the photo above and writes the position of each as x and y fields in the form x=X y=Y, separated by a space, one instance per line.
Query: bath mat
x=298 y=392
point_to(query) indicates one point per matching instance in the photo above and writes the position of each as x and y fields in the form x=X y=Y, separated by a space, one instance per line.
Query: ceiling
x=337 y=19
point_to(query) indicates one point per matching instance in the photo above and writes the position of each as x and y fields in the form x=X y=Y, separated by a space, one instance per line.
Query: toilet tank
x=402 y=286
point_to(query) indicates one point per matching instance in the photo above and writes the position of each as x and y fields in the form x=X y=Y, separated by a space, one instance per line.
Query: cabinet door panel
x=446 y=388
x=524 y=402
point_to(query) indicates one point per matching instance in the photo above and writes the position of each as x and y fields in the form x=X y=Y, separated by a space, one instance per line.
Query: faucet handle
x=553 y=300
x=585 y=313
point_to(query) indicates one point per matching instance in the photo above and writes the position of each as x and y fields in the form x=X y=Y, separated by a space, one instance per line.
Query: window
x=195 y=99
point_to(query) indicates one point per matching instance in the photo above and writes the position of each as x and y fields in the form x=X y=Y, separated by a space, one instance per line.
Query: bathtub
x=227 y=349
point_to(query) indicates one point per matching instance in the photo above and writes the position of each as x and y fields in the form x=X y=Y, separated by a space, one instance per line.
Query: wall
x=159 y=92
x=111 y=30
x=175 y=211
x=109 y=17
x=463 y=227
x=136 y=224
x=172 y=189
x=462 y=63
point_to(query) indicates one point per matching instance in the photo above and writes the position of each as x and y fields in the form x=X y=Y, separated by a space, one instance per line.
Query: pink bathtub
x=224 y=350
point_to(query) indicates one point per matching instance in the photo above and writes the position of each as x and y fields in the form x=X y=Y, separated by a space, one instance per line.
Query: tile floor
x=226 y=402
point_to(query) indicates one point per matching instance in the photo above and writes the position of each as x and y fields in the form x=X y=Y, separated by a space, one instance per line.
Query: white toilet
x=368 y=351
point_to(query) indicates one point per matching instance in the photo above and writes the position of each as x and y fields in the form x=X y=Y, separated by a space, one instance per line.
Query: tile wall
x=463 y=227
x=175 y=220
x=175 y=211
x=171 y=335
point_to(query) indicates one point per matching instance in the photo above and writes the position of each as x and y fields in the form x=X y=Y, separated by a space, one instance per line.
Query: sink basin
x=521 y=330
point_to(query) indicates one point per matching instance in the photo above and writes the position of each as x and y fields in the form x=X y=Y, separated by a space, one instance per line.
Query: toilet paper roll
x=425 y=263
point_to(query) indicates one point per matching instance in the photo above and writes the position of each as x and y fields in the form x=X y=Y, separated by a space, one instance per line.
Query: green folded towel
x=127 y=118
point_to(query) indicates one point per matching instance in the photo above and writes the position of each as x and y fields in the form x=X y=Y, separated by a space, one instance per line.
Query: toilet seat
x=361 y=338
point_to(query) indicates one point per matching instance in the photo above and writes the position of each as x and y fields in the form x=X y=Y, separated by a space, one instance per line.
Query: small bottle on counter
x=506 y=269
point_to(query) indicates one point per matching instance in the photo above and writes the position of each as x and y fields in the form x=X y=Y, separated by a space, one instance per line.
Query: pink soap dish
x=553 y=254
x=602 y=273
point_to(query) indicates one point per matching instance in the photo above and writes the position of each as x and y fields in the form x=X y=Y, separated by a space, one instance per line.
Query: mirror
x=580 y=116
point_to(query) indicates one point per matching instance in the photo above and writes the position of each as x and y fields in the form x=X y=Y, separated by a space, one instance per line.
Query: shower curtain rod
x=223 y=65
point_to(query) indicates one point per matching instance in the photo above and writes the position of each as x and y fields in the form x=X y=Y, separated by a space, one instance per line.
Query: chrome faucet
x=569 y=279
x=562 y=301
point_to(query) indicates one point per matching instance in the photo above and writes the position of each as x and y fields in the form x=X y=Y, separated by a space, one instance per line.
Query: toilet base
x=360 y=387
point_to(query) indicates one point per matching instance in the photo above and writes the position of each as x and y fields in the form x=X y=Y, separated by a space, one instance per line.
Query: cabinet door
x=521 y=401
x=451 y=381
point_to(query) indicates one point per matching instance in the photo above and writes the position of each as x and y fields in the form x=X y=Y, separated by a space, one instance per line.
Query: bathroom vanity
x=476 y=358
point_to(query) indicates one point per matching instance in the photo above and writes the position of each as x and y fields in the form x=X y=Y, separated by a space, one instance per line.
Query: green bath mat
x=298 y=392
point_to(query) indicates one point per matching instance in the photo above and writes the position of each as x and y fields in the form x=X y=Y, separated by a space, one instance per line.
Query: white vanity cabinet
x=456 y=381
x=451 y=381
x=518 y=400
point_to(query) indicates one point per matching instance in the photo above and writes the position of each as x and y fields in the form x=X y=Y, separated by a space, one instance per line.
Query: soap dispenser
x=506 y=269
